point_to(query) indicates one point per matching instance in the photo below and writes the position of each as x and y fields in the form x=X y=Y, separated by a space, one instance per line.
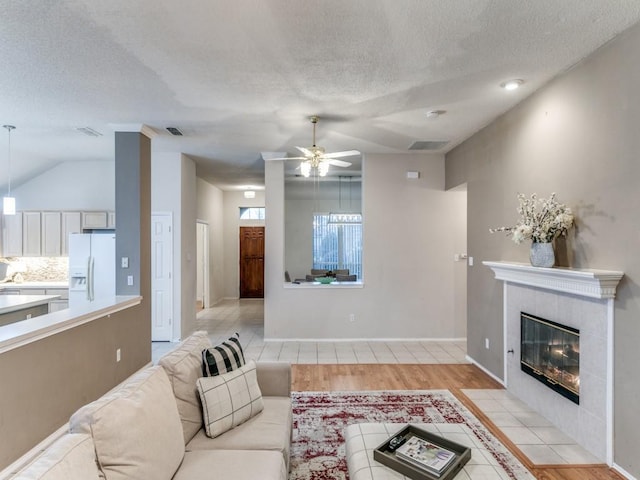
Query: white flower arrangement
x=542 y=226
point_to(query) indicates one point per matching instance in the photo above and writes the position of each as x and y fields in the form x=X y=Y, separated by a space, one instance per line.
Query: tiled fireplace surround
x=581 y=299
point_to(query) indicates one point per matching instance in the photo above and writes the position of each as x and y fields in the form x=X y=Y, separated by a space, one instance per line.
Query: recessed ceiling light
x=512 y=84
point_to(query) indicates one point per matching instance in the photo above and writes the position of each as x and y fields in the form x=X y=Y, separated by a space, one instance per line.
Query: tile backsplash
x=38 y=269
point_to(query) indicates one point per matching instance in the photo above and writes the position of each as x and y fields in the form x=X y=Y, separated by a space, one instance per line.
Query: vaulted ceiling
x=242 y=77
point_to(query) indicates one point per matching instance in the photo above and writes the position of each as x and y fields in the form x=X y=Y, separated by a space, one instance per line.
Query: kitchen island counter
x=14 y=308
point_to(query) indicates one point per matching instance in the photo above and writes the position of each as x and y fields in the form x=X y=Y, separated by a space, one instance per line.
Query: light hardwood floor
x=423 y=377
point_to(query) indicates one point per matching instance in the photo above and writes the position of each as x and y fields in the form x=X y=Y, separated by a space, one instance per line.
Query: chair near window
x=346 y=278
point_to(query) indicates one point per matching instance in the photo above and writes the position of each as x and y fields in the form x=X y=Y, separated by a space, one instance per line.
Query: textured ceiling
x=242 y=77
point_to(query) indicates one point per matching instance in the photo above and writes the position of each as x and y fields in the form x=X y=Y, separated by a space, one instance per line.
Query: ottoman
x=361 y=439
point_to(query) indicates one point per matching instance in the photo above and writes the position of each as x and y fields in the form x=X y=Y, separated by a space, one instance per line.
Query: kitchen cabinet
x=93 y=220
x=12 y=235
x=31 y=234
x=71 y=222
x=51 y=234
x=57 y=305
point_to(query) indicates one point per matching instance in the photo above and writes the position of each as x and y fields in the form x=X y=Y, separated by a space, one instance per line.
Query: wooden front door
x=251 y=262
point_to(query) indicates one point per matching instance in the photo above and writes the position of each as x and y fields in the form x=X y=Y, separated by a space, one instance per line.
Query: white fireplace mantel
x=583 y=282
x=566 y=294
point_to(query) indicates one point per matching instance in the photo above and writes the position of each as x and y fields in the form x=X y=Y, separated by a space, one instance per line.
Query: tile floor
x=246 y=318
x=535 y=436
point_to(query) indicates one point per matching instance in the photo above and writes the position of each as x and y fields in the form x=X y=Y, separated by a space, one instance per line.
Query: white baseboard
x=623 y=472
x=497 y=379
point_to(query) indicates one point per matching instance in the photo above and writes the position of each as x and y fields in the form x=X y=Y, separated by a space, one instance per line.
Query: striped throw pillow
x=223 y=358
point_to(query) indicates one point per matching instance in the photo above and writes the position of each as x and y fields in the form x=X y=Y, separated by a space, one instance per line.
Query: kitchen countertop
x=12 y=303
x=45 y=284
x=21 y=333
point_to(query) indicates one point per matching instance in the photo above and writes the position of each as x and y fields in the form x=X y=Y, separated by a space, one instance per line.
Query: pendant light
x=9 y=202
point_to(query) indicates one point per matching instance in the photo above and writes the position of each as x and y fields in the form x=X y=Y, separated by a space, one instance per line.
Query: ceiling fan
x=316 y=158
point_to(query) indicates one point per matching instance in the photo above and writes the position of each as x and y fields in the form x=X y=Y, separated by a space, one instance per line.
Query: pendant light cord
x=9 y=128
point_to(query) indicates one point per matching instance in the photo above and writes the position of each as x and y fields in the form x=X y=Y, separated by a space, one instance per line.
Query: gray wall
x=173 y=189
x=210 y=209
x=409 y=282
x=578 y=137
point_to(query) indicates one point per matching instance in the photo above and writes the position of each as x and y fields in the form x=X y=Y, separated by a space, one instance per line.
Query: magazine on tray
x=425 y=454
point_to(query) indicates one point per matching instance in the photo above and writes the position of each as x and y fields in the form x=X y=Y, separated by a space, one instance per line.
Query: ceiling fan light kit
x=316 y=159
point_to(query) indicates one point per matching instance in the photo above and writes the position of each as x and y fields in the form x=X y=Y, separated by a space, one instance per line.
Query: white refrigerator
x=92 y=267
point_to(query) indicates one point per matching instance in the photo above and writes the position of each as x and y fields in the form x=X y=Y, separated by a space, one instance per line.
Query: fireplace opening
x=550 y=353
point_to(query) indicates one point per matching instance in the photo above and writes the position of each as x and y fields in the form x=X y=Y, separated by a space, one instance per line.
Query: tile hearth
x=534 y=435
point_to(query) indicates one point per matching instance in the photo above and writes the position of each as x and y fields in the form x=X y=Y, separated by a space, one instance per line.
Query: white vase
x=542 y=254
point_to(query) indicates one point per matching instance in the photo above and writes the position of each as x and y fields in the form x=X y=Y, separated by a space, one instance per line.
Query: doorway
x=251 y=262
x=202 y=265
x=161 y=277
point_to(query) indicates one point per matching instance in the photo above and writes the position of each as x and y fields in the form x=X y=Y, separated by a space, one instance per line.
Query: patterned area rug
x=319 y=418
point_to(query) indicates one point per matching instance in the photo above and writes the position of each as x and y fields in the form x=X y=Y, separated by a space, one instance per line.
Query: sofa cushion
x=271 y=430
x=136 y=429
x=71 y=457
x=223 y=358
x=184 y=366
x=232 y=464
x=229 y=399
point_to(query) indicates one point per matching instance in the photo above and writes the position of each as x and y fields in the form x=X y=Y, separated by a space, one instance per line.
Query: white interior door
x=161 y=277
x=202 y=252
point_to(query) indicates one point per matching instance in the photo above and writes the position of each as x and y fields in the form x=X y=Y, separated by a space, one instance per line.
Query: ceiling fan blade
x=337 y=163
x=346 y=153
x=305 y=151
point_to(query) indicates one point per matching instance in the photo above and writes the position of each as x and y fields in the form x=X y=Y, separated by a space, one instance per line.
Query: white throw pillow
x=229 y=399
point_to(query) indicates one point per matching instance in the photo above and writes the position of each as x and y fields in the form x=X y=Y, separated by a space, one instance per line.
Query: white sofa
x=150 y=427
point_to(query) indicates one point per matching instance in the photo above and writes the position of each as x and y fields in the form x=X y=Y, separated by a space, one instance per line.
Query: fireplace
x=550 y=353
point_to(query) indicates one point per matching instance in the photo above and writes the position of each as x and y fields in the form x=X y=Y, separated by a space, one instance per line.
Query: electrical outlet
x=130 y=280
x=125 y=262
x=486 y=343
x=352 y=317
x=470 y=260
x=118 y=356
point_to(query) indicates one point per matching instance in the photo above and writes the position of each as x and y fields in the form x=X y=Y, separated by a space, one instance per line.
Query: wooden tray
x=383 y=455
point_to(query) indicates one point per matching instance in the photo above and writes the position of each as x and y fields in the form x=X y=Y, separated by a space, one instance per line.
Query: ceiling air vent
x=90 y=132
x=174 y=131
x=428 y=144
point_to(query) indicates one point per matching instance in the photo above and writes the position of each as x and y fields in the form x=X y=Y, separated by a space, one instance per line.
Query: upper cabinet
x=51 y=234
x=111 y=220
x=92 y=220
x=46 y=234
x=71 y=222
x=31 y=234
x=11 y=235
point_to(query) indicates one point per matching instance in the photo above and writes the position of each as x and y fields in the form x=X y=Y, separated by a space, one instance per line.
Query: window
x=251 y=213
x=337 y=242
